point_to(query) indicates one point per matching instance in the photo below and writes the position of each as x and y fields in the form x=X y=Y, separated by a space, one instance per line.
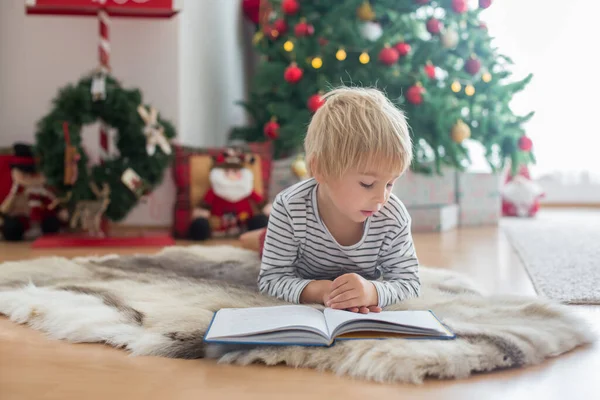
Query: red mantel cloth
x=114 y=8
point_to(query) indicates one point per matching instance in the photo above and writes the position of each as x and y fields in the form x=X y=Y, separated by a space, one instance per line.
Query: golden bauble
x=365 y=12
x=299 y=168
x=341 y=55
x=460 y=131
x=364 y=58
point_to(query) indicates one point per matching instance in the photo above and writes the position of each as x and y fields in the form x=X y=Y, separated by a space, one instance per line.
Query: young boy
x=341 y=238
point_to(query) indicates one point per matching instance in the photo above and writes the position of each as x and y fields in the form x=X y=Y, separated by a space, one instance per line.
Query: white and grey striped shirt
x=298 y=248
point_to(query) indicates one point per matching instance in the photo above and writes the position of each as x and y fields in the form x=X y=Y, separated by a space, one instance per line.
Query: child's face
x=360 y=194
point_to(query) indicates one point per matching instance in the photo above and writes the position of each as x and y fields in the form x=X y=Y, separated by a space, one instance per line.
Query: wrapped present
x=427 y=190
x=479 y=198
x=434 y=218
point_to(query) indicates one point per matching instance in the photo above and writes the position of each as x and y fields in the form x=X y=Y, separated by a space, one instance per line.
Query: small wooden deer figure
x=89 y=212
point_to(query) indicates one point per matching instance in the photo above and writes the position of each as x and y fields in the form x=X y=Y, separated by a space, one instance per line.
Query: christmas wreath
x=141 y=138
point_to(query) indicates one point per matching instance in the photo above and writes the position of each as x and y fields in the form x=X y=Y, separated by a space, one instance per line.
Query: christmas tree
x=434 y=58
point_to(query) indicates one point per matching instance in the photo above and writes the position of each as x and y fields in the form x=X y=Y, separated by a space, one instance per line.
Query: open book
x=306 y=326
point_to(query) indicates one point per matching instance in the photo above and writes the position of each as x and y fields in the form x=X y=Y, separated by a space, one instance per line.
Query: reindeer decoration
x=89 y=212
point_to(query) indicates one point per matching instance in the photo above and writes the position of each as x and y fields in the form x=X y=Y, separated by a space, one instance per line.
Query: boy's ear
x=314 y=171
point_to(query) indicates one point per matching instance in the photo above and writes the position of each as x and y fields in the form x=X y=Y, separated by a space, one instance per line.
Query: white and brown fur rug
x=161 y=304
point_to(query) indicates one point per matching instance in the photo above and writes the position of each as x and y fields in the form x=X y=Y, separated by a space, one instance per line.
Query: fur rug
x=161 y=305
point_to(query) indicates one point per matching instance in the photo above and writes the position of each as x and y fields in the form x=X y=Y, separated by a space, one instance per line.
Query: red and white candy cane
x=104 y=55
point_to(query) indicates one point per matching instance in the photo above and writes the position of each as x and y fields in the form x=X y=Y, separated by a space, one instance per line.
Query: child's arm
x=278 y=276
x=399 y=266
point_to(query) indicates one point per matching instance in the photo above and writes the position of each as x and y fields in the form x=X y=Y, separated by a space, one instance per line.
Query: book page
x=414 y=320
x=241 y=322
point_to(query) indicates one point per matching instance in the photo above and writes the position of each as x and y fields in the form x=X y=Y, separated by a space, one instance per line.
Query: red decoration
x=280 y=26
x=251 y=9
x=434 y=26
x=315 y=102
x=403 y=48
x=270 y=31
x=414 y=94
x=525 y=143
x=271 y=129
x=521 y=196
x=303 y=28
x=485 y=3
x=290 y=7
x=429 y=69
x=293 y=73
x=473 y=65
x=114 y=8
x=389 y=55
x=460 y=6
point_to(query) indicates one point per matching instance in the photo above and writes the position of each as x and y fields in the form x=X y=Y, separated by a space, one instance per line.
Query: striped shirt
x=298 y=248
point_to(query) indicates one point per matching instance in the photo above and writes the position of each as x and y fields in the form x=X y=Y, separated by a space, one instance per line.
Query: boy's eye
x=365 y=185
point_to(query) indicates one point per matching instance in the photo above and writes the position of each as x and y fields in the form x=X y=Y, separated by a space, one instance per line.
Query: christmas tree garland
x=142 y=139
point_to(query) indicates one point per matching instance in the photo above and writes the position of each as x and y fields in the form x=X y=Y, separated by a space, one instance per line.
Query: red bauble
x=485 y=3
x=389 y=55
x=414 y=94
x=460 y=6
x=271 y=129
x=473 y=65
x=304 y=29
x=429 y=70
x=290 y=7
x=270 y=31
x=315 y=102
x=525 y=143
x=293 y=73
x=434 y=26
x=280 y=26
x=403 y=48
x=251 y=9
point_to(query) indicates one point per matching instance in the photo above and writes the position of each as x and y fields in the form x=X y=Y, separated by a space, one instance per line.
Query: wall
x=191 y=79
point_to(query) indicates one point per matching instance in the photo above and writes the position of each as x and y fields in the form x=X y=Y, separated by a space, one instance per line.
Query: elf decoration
x=231 y=205
x=521 y=195
x=30 y=208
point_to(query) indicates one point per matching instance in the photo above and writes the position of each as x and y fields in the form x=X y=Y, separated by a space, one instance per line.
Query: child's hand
x=353 y=293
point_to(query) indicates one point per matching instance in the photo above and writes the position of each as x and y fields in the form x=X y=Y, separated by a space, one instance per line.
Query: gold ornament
x=487 y=77
x=341 y=55
x=460 y=131
x=469 y=90
x=288 y=45
x=317 y=62
x=365 y=12
x=299 y=167
x=258 y=36
x=364 y=58
x=455 y=86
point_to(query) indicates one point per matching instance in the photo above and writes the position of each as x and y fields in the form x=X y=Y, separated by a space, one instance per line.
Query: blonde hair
x=357 y=128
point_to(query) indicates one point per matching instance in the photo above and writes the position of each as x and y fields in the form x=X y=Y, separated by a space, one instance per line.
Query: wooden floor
x=32 y=367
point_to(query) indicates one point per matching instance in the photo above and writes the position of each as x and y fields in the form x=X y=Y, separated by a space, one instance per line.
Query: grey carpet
x=561 y=252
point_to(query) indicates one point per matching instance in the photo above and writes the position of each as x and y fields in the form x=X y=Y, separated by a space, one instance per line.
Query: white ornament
x=450 y=39
x=154 y=132
x=371 y=31
x=98 y=88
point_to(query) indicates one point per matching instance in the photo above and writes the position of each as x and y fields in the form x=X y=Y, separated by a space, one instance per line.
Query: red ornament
x=270 y=31
x=460 y=6
x=293 y=73
x=280 y=26
x=403 y=48
x=429 y=70
x=434 y=26
x=302 y=28
x=473 y=65
x=271 y=129
x=290 y=7
x=315 y=102
x=251 y=9
x=389 y=55
x=485 y=3
x=414 y=94
x=525 y=143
